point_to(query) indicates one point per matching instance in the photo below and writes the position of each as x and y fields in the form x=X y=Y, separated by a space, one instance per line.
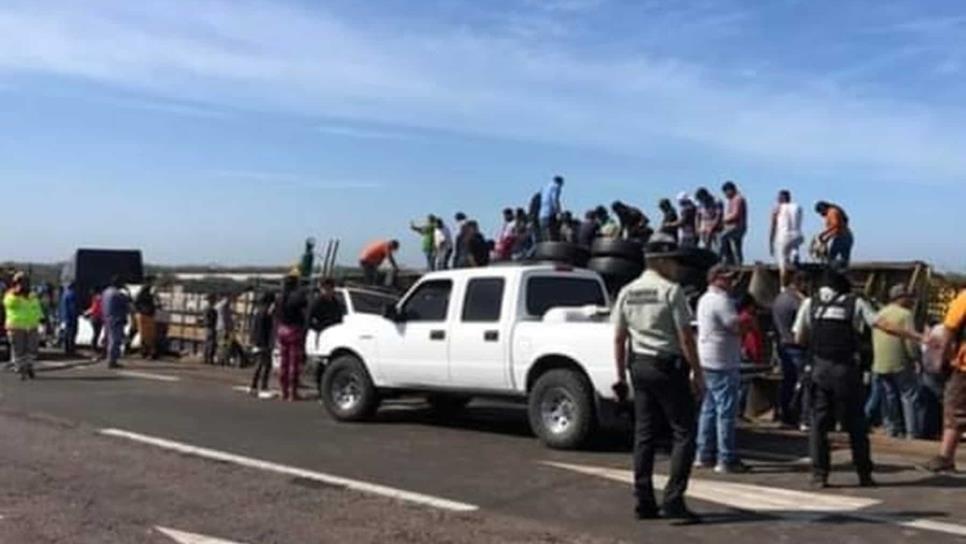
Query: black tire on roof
x=631 y=250
x=562 y=252
x=615 y=268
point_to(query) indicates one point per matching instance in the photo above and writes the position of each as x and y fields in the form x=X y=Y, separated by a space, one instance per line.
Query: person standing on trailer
x=785 y=236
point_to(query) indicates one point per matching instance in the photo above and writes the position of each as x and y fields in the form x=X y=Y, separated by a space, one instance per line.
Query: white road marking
x=262 y=395
x=755 y=498
x=785 y=503
x=182 y=537
x=355 y=485
x=148 y=376
x=930 y=525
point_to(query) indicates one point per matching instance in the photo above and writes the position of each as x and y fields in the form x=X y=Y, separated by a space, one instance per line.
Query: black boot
x=680 y=514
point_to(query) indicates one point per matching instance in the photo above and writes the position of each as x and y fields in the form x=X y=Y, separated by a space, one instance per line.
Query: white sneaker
x=267 y=395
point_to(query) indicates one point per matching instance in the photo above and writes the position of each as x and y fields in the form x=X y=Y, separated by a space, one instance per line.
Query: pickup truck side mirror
x=392 y=314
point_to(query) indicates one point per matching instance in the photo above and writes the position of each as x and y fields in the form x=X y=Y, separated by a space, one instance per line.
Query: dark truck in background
x=92 y=269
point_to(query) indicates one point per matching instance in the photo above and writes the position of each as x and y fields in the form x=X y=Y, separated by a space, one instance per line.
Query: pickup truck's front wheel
x=347 y=390
x=562 y=409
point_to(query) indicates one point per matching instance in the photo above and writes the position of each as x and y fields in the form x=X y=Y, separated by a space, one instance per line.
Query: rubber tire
x=448 y=405
x=562 y=252
x=615 y=267
x=624 y=249
x=366 y=407
x=582 y=393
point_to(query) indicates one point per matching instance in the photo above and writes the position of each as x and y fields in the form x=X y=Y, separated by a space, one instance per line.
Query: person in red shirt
x=95 y=314
x=752 y=337
x=374 y=255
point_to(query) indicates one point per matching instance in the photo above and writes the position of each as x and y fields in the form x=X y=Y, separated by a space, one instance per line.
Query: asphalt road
x=267 y=471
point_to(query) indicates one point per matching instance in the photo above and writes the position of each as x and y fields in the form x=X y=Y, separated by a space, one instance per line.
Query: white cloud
x=365 y=133
x=250 y=54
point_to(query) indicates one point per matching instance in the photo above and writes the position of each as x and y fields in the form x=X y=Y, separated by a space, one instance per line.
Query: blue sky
x=227 y=131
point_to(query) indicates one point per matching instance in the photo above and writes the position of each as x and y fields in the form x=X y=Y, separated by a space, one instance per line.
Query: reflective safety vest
x=23 y=312
x=833 y=335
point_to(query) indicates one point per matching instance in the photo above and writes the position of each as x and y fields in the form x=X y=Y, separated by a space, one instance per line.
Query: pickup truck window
x=429 y=302
x=370 y=303
x=484 y=300
x=544 y=293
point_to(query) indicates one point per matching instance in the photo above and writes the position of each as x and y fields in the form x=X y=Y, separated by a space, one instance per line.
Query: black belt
x=665 y=362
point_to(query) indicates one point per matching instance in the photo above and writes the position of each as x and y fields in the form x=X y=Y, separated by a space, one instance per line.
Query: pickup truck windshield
x=544 y=293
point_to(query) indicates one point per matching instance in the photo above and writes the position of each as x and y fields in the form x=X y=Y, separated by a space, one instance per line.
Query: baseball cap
x=721 y=270
x=683 y=196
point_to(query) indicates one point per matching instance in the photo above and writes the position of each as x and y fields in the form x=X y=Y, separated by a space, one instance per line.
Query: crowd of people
x=706 y=221
x=692 y=380
x=694 y=383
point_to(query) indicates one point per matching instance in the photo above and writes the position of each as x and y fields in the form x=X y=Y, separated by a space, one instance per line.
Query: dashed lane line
x=184 y=537
x=148 y=376
x=258 y=464
x=780 y=502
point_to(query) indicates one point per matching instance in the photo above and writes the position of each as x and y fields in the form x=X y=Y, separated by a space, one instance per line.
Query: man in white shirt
x=719 y=350
x=443 y=242
x=786 y=232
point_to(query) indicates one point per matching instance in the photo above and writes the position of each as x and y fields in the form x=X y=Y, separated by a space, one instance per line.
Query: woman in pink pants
x=291 y=316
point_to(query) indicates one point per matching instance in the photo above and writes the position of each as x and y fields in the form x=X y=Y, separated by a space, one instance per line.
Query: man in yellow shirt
x=23 y=318
x=954 y=404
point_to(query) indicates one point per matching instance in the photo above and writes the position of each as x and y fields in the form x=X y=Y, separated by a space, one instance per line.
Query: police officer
x=652 y=313
x=831 y=324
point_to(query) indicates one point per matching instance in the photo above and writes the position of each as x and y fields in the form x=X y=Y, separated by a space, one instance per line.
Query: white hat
x=683 y=196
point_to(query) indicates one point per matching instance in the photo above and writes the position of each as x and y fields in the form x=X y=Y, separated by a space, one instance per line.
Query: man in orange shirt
x=837 y=235
x=374 y=255
x=954 y=404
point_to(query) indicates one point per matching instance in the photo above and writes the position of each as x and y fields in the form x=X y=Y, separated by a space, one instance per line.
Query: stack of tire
x=617 y=261
x=561 y=252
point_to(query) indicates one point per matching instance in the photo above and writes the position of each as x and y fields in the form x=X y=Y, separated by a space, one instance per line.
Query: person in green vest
x=24 y=314
x=428 y=234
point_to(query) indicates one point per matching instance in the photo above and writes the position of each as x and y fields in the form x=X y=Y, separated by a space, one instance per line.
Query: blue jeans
x=716 y=425
x=902 y=407
x=793 y=369
x=732 y=242
x=115 y=340
x=549 y=229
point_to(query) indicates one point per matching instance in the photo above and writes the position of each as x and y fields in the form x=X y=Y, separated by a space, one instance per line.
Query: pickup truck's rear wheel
x=562 y=409
x=347 y=390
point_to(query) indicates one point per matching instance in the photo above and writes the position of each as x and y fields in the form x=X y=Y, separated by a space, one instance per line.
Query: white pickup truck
x=538 y=333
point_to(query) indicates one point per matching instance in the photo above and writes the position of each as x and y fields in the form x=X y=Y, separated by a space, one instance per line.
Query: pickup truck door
x=480 y=337
x=416 y=350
